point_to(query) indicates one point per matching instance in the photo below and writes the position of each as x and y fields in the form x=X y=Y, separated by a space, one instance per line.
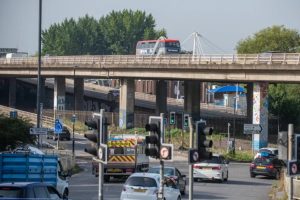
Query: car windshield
x=141 y=181
x=167 y=171
x=263 y=161
x=11 y=192
x=214 y=160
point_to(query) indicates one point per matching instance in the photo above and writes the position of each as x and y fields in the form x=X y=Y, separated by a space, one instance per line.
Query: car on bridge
x=113 y=95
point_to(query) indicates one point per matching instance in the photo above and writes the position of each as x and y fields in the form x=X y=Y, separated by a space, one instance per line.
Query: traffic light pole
x=290 y=155
x=101 y=166
x=161 y=187
x=191 y=173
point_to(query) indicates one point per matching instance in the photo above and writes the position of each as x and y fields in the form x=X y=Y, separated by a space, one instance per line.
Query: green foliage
x=239 y=156
x=285 y=102
x=14 y=132
x=115 y=33
x=275 y=38
x=284 y=98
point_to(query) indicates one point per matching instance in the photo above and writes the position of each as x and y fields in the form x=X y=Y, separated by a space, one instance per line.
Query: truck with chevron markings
x=126 y=155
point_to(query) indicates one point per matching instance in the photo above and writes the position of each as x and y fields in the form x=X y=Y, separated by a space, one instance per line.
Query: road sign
x=73 y=118
x=38 y=131
x=293 y=168
x=193 y=156
x=297 y=147
x=58 y=127
x=252 y=128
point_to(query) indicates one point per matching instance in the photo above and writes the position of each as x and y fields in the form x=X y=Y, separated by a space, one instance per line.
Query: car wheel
x=65 y=194
x=222 y=179
x=226 y=179
x=252 y=175
x=183 y=191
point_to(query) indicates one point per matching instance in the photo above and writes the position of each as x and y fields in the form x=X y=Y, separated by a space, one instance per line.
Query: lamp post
x=38 y=96
x=234 y=113
x=74 y=114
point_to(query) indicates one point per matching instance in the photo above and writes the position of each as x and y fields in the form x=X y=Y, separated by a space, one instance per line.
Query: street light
x=74 y=113
x=234 y=114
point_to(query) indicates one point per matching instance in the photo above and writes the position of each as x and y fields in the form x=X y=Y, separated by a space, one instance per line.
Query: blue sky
x=222 y=22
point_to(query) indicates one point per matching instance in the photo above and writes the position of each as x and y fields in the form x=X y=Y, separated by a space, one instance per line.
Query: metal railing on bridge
x=180 y=59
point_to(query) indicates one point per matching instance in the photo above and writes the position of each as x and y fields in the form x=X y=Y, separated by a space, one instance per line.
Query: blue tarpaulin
x=228 y=88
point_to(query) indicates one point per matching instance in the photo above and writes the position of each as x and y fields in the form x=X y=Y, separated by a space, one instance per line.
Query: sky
x=221 y=22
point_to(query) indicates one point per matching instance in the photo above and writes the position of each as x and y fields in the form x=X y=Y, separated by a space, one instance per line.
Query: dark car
x=266 y=166
x=64 y=135
x=27 y=190
x=173 y=173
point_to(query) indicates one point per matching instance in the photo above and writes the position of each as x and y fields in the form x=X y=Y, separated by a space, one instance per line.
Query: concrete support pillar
x=79 y=93
x=250 y=102
x=192 y=99
x=12 y=92
x=59 y=94
x=126 y=109
x=260 y=114
x=161 y=97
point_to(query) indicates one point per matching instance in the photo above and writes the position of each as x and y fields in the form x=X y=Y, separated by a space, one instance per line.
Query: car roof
x=149 y=175
x=268 y=148
x=22 y=184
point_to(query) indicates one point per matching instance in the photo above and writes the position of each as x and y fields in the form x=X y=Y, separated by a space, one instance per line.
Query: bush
x=240 y=156
x=14 y=132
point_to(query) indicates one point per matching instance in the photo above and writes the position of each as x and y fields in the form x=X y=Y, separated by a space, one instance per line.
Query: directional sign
x=252 y=128
x=38 y=131
x=293 y=168
x=58 y=127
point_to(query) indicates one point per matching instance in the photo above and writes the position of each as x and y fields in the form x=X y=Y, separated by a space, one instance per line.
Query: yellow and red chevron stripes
x=121 y=143
x=121 y=159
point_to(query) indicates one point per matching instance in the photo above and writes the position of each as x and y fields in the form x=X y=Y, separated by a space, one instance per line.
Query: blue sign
x=58 y=127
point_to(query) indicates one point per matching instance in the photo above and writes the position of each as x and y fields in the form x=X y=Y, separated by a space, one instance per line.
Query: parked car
x=64 y=135
x=28 y=190
x=173 y=173
x=267 y=151
x=145 y=186
x=214 y=169
x=267 y=166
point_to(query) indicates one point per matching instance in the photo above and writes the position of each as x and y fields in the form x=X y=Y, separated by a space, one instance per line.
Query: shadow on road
x=208 y=196
x=234 y=182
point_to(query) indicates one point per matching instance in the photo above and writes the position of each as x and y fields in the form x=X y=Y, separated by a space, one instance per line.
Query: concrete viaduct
x=255 y=69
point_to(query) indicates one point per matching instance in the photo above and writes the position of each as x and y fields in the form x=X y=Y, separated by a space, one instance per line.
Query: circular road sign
x=195 y=156
x=164 y=152
x=294 y=168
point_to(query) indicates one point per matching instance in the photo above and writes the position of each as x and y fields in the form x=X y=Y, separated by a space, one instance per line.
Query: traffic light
x=153 y=140
x=166 y=151
x=172 y=118
x=186 y=120
x=202 y=143
x=93 y=137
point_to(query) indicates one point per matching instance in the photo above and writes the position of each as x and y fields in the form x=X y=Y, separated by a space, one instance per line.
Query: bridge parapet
x=181 y=59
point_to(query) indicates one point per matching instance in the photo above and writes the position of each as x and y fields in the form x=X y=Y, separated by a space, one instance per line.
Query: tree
x=123 y=29
x=284 y=98
x=275 y=38
x=115 y=33
x=14 y=132
x=73 y=38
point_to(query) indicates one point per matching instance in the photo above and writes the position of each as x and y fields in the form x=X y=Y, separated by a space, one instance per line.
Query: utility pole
x=38 y=96
x=162 y=138
x=290 y=155
x=191 y=173
x=101 y=166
